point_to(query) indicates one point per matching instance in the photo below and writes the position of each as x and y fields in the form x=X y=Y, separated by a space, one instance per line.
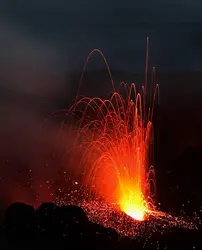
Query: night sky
x=58 y=34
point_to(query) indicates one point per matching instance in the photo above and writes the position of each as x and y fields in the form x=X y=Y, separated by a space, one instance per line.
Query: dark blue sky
x=60 y=33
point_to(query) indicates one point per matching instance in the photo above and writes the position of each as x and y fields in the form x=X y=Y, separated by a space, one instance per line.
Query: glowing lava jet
x=113 y=140
x=114 y=144
x=111 y=152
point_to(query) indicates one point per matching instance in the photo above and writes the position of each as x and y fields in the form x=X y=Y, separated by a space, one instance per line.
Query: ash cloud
x=30 y=87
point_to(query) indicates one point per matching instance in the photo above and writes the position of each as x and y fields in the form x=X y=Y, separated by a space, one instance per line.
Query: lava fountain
x=114 y=143
x=112 y=153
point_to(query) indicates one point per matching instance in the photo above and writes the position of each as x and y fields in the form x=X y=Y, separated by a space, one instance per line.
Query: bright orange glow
x=114 y=144
x=133 y=204
x=113 y=139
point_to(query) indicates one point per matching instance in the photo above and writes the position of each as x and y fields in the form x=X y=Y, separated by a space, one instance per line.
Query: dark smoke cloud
x=30 y=86
x=118 y=29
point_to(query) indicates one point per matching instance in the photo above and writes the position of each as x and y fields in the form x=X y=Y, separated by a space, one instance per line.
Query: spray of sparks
x=113 y=143
x=114 y=147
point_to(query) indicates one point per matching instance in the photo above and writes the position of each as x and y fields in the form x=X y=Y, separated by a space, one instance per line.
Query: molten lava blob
x=134 y=205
